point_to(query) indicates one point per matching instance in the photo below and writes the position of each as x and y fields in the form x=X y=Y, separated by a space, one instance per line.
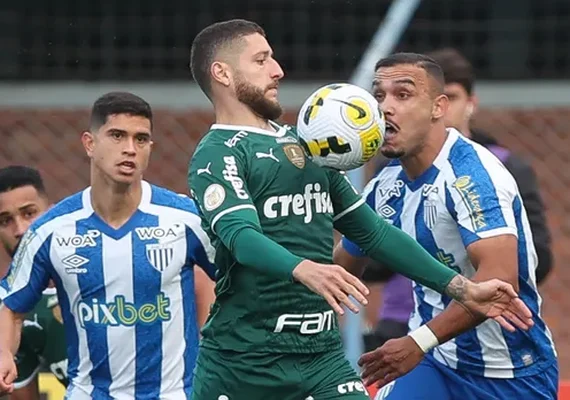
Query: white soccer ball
x=341 y=126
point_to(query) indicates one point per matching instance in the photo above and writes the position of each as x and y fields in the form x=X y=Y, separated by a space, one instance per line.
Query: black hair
x=456 y=68
x=118 y=103
x=420 y=60
x=210 y=40
x=17 y=176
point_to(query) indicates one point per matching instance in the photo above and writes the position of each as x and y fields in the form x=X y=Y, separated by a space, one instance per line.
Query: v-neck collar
x=128 y=226
x=280 y=130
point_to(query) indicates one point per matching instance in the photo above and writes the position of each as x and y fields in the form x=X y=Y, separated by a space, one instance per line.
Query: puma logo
x=33 y=323
x=361 y=111
x=267 y=155
x=205 y=170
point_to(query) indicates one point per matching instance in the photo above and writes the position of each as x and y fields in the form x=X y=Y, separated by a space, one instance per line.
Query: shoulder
x=467 y=158
x=68 y=210
x=169 y=200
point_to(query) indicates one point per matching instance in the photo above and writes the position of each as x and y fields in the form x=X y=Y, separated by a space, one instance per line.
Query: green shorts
x=226 y=375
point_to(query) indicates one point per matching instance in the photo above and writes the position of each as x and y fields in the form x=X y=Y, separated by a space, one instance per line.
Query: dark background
x=318 y=39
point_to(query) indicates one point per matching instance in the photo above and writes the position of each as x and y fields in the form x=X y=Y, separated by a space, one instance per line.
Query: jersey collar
x=281 y=130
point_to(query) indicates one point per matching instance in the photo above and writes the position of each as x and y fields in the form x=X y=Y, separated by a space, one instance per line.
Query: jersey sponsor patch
x=214 y=196
x=295 y=154
x=231 y=175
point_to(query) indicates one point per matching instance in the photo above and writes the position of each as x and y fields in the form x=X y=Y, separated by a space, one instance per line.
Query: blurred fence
x=313 y=39
x=50 y=141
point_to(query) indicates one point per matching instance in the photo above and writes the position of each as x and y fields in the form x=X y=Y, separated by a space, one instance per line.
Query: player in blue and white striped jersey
x=461 y=204
x=121 y=254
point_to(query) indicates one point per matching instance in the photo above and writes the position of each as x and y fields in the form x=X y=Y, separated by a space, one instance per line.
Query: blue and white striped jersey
x=466 y=195
x=126 y=295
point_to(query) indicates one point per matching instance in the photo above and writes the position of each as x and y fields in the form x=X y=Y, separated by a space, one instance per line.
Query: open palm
x=498 y=300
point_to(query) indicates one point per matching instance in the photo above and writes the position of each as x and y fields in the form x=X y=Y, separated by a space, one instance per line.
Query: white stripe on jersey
x=122 y=357
x=467 y=195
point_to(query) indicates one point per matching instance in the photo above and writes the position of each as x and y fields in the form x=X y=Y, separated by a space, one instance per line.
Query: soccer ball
x=341 y=126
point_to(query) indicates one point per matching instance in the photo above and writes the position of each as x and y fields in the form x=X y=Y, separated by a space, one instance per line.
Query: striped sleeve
x=28 y=275
x=481 y=196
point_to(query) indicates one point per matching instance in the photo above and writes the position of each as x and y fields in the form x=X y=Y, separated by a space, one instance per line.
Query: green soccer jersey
x=43 y=342
x=263 y=179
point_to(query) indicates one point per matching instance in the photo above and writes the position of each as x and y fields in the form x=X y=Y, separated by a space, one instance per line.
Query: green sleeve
x=389 y=245
x=27 y=358
x=218 y=183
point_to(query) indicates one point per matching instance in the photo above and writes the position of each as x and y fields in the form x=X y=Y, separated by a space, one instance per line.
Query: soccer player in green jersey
x=272 y=332
x=23 y=198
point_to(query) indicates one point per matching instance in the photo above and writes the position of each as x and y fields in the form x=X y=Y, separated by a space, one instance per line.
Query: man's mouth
x=127 y=165
x=391 y=130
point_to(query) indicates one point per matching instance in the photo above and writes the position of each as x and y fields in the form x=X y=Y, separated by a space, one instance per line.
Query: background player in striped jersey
x=23 y=198
x=270 y=212
x=461 y=204
x=121 y=254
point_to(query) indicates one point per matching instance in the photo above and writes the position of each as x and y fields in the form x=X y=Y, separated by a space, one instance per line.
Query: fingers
x=504 y=323
x=342 y=298
x=386 y=380
x=507 y=288
x=521 y=323
x=522 y=310
x=378 y=373
x=333 y=303
x=360 y=291
x=369 y=357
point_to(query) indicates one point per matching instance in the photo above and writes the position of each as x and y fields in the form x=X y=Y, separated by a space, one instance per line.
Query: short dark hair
x=456 y=68
x=419 y=60
x=208 y=43
x=118 y=103
x=17 y=176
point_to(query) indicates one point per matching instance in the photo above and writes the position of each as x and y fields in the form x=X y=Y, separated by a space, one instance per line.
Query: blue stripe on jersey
x=164 y=197
x=370 y=199
x=148 y=336
x=197 y=254
x=425 y=238
x=482 y=189
x=92 y=287
x=190 y=328
x=520 y=343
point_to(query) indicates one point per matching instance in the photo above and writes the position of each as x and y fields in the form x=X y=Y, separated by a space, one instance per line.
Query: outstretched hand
x=498 y=300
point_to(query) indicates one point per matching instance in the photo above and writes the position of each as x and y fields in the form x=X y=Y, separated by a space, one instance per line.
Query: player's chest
x=86 y=255
x=413 y=208
x=285 y=183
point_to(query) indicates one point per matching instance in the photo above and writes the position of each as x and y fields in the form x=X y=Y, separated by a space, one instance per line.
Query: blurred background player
x=460 y=203
x=121 y=254
x=270 y=213
x=23 y=198
x=397 y=302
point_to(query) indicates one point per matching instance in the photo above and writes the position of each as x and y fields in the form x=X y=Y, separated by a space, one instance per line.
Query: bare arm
x=354 y=265
x=204 y=289
x=494 y=257
x=11 y=323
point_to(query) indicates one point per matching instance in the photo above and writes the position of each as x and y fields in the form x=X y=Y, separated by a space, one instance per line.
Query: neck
x=114 y=203
x=464 y=129
x=233 y=112
x=417 y=163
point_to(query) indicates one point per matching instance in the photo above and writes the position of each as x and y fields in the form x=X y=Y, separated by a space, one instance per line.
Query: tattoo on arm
x=457 y=288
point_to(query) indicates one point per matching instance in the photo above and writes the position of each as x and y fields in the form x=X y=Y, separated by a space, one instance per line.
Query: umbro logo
x=74 y=263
